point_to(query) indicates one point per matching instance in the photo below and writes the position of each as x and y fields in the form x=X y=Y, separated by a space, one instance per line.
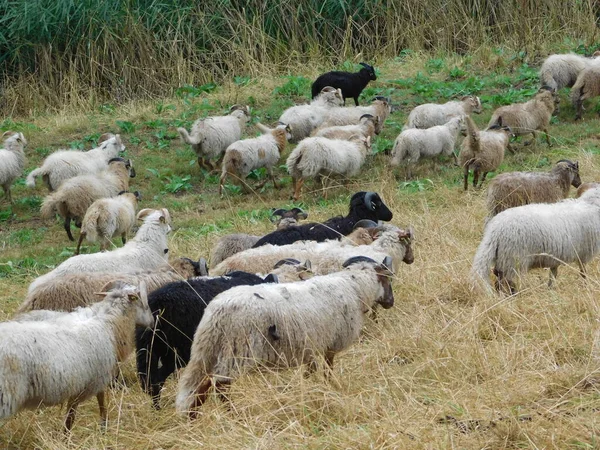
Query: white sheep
x=109 y=217
x=281 y=325
x=211 y=136
x=380 y=108
x=539 y=235
x=77 y=194
x=242 y=157
x=414 y=143
x=147 y=250
x=368 y=125
x=51 y=357
x=303 y=119
x=12 y=160
x=431 y=114
x=318 y=157
x=64 y=164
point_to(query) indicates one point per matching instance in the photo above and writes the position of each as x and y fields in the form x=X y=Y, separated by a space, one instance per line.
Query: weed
x=125 y=126
x=176 y=183
x=294 y=86
x=417 y=185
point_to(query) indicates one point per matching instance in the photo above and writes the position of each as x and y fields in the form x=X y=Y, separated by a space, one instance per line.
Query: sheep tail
x=30 y=181
x=484 y=258
x=90 y=225
x=293 y=162
x=192 y=140
x=49 y=206
x=473 y=135
x=577 y=91
x=263 y=128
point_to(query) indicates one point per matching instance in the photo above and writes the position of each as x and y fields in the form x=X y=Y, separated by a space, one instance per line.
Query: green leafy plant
x=125 y=126
x=417 y=185
x=295 y=86
x=176 y=183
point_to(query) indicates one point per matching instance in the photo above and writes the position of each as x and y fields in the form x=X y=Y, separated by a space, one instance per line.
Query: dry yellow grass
x=446 y=367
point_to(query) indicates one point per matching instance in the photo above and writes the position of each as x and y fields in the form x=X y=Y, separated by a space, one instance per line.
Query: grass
x=444 y=368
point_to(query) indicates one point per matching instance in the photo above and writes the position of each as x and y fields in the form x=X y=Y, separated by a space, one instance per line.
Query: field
x=446 y=367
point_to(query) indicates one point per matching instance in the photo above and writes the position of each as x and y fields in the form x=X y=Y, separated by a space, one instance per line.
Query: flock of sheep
x=293 y=295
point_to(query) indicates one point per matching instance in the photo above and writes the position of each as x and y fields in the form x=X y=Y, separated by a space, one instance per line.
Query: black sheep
x=351 y=84
x=363 y=205
x=177 y=308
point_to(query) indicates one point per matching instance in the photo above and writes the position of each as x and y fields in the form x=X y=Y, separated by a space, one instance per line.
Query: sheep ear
x=203 y=267
x=138 y=195
x=144 y=212
x=165 y=217
x=307 y=265
x=387 y=265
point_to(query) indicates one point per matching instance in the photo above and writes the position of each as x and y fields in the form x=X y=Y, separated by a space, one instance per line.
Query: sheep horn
x=388 y=263
x=138 y=195
x=286 y=261
x=365 y=223
x=123 y=192
x=118 y=158
x=366 y=116
x=369 y=203
x=203 y=267
x=278 y=212
x=366 y=66
x=272 y=278
x=357 y=259
x=299 y=213
x=307 y=264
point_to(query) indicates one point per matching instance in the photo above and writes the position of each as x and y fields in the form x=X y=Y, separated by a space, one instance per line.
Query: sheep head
x=369 y=70
x=384 y=273
x=572 y=169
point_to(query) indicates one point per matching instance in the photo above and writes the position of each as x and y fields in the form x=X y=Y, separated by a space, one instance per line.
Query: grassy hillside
x=444 y=368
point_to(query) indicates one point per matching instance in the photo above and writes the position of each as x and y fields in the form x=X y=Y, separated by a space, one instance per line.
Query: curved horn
x=117 y=159
x=365 y=223
x=357 y=259
x=203 y=267
x=369 y=197
x=272 y=278
x=278 y=212
x=286 y=261
x=388 y=263
x=299 y=213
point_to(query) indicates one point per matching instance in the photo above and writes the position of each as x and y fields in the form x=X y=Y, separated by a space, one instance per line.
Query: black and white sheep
x=351 y=84
x=12 y=160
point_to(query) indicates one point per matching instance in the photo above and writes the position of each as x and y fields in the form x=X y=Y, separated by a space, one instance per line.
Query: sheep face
x=143 y=314
x=384 y=271
x=475 y=104
x=373 y=204
x=332 y=96
x=12 y=136
x=368 y=71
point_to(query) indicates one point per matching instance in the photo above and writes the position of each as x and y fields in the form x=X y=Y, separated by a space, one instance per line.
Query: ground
x=446 y=367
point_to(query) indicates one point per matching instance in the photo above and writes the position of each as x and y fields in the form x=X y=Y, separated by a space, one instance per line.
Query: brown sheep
x=587 y=86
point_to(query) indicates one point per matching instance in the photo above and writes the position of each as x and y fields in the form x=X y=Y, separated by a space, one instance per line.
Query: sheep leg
x=545 y=130
x=68 y=228
x=124 y=238
x=221 y=388
x=102 y=408
x=7 y=193
x=553 y=274
x=298 y=188
x=81 y=236
x=275 y=185
x=483 y=179
x=578 y=104
x=70 y=418
x=200 y=397
x=355 y=101
x=466 y=178
x=475 y=177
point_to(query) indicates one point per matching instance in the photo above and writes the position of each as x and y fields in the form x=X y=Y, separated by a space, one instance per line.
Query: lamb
x=12 y=160
x=211 y=136
x=368 y=125
x=512 y=189
x=281 y=325
x=483 y=151
x=431 y=114
x=318 y=157
x=244 y=156
x=109 y=217
x=539 y=235
x=363 y=205
x=71 y=291
x=351 y=84
x=64 y=164
x=52 y=357
x=146 y=251
x=529 y=117
x=76 y=195
x=234 y=243
x=325 y=257
x=380 y=108
x=178 y=308
x=303 y=119
x=587 y=86
x=414 y=143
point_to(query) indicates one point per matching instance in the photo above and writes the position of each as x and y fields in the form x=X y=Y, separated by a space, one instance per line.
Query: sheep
x=539 y=235
x=584 y=187
x=380 y=108
x=234 y=243
x=368 y=125
x=351 y=84
x=363 y=205
x=64 y=164
x=281 y=325
x=69 y=291
x=512 y=189
x=178 y=308
x=587 y=86
x=12 y=160
x=303 y=119
x=483 y=151
x=211 y=136
x=109 y=217
x=529 y=117
x=51 y=358
x=318 y=157
x=431 y=114
x=326 y=257
x=76 y=195
x=244 y=156
x=414 y=143
x=147 y=250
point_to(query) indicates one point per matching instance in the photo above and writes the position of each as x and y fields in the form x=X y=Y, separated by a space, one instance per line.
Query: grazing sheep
x=12 y=160
x=368 y=125
x=587 y=86
x=363 y=205
x=586 y=187
x=178 y=308
x=64 y=164
x=50 y=357
x=76 y=195
x=325 y=257
x=318 y=157
x=414 y=143
x=525 y=118
x=242 y=157
x=303 y=119
x=109 y=217
x=380 y=108
x=512 y=189
x=539 y=235
x=147 y=250
x=281 y=325
x=234 y=243
x=483 y=151
x=431 y=114
x=211 y=136
x=351 y=84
